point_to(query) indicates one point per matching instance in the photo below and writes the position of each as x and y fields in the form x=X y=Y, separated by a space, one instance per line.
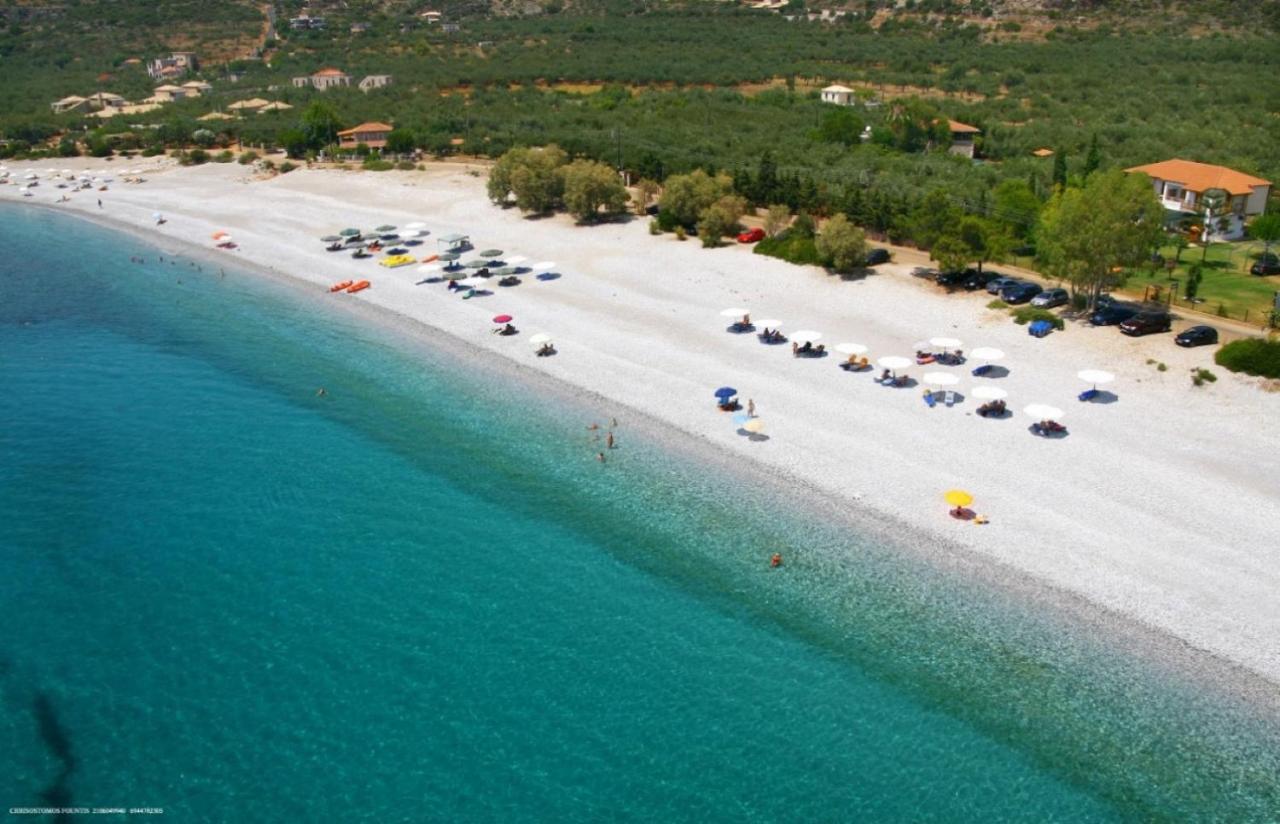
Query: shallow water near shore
x=420 y=597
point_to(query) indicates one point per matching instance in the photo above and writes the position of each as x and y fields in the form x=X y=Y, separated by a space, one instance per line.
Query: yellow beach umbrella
x=755 y=426
x=957 y=497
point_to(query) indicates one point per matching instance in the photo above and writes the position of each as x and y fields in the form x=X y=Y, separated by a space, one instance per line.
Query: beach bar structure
x=454 y=243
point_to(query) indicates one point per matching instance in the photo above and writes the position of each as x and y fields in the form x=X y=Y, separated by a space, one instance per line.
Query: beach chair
x=949 y=398
x=1088 y=394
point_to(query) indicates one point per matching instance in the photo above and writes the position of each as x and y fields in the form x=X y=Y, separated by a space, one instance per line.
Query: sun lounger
x=949 y=398
x=1088 y=394
x=979 y=371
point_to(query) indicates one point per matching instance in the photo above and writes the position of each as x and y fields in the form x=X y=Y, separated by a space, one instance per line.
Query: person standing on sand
x=751 y=408
x=99 y=203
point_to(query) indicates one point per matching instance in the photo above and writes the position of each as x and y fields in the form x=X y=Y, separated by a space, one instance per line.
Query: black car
x=979 y=280
x=1146 y=323
x=1112 y=314
x=1266 y=267
x=1020 y=292
x=1197 y=336
x=996 y=286
x=877 y=256
x=950 y=279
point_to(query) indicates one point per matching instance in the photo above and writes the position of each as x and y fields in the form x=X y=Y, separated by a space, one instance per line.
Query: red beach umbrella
x=502 y=319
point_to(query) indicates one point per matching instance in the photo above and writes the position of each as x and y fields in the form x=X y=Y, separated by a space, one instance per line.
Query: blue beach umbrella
x=741 y=418
x=726 y=392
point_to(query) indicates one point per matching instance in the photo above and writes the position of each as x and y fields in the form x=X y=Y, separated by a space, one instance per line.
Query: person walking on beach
x=99 y=203
x=751 y=408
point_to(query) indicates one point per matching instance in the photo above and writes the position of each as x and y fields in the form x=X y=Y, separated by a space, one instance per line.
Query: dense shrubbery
x=793 y=246
x=1252 y=356
x=1026 y=314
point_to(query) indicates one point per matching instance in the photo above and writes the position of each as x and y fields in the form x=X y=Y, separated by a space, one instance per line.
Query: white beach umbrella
x=540 y=338
x=769 y=323
x=515 y=260
x=1042 y=411
x=895 y=362
x=940 y=379
x=734 y=312
x=986 y=353
x=543 y=265
x=429 y=267
x=805 y=336
x=946 y=343
x=31 y=175
x=990 y=393
x=475 y=280
x=1095 y=376
x=851 y=348
x=417 y=224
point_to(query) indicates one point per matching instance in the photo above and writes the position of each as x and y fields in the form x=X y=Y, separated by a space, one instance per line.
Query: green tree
x=842 y=245
x=401 y=141
x=1089 y=233
x=685 y=197
x=1266 y=228
x=950 y=253
x=1060 y=169
x=320 y=124
x=840 y=125
x=67 y=147
x=538 y=182
x=720 y=218
x=932 y=218
x=1016 y=206
x=203 y=138
x=294 y=142
x=1094 y=158
x=589 y=187
x=1180 y=244
x=986 y=240
x=776 y=219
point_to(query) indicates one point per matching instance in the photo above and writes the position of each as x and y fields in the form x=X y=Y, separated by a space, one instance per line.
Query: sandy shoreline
x=1156 y=507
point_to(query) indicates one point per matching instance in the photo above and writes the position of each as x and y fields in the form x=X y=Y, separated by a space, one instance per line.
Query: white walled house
x=838 y=95
x=1180 y=186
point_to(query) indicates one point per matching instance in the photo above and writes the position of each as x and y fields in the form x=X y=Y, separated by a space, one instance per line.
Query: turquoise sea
x=420 y=598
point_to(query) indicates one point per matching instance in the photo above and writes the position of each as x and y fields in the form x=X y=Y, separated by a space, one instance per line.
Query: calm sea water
x=420 y=598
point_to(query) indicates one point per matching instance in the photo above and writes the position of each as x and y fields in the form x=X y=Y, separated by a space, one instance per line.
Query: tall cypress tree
x=1060 y=169
x=1094 y=159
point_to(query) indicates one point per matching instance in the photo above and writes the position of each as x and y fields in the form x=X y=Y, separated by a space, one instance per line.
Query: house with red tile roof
x=373 y=135
x=1180 y=186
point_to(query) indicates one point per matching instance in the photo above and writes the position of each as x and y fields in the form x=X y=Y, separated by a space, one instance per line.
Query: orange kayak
x=358 y=286
x=430 y=258
x=338 y=287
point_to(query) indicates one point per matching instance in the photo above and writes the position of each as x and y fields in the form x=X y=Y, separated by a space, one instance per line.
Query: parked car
x=979 y=280
x=1020 y=292
x=1050 y=298
x=1145 y=323
x=996 y=286
x=1268 y=264
x=924 y=272
x=950 y=279
x=1112 y=314
x=877 y=256
x=751 y=236
x=1197 y=336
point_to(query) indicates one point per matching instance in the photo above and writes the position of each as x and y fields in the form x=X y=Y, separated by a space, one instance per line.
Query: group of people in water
x=594 y=429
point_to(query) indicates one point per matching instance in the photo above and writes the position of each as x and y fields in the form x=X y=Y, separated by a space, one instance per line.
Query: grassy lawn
x=1225 y=283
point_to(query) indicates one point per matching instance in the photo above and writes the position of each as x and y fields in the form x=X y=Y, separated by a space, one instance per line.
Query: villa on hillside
x=195 y=88
x=1180 y=186
x=169 y=93
x=375 y=81
x=839 y=95
x=305 y=22
x=71 y=103
x=373 y=135
x=175 y=65
x=323 y=79
x=962 y=136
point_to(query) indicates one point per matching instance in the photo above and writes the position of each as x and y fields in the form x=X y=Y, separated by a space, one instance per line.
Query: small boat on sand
x=358 y=286
x=338 y=287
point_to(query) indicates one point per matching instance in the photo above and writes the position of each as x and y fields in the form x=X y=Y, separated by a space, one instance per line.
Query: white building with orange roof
x=324 y=79
x=1180 y=186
